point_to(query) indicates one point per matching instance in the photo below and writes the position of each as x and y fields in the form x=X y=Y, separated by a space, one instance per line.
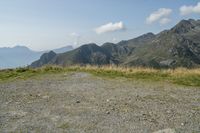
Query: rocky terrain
x=81 y=102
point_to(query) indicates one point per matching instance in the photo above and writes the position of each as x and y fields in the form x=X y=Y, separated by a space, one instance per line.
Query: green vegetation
x=64 y=126
x=24 y=73
x=181 y=76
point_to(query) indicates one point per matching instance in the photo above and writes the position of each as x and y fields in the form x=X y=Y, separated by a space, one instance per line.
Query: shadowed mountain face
x=177 y=47
x=44 y=59
x=86 y=54
x=20 y=56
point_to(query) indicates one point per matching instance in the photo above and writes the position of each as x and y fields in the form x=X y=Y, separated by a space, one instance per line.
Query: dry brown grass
x=182 y=76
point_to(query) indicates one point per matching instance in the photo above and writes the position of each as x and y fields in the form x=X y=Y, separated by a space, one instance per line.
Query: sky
x=49 y=24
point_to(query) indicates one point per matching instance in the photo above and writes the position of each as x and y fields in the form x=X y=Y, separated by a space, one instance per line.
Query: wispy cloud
x=110 y=27
x=76 y=37
x=186 y=10
x=164 y=21
x=114 y=40
x=74 y=34
x=161 y=16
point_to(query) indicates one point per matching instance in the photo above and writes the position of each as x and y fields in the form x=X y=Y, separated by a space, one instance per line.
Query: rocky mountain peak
x=185 y=26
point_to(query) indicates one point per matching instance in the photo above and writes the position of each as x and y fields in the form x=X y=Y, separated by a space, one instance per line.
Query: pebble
x=168 y=111
x=107 y=112
x=77 y=101
x=45 y=97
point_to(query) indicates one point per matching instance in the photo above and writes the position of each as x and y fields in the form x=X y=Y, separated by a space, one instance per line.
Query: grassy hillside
x=181 y=76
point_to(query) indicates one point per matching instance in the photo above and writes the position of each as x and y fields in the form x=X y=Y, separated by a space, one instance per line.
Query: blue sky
x=48 y=24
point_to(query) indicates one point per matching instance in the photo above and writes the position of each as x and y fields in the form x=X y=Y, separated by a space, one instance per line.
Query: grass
x=25 y=73
x=181 y=76
x=64 y=126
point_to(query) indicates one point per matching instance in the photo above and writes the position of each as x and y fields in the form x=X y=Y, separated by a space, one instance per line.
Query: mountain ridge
x=176 y=47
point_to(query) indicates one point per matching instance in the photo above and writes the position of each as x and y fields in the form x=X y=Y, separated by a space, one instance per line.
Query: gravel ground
x=82 y=103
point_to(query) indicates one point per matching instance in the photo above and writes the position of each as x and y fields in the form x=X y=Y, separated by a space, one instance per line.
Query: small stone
x=77 y=101
x=108 y=112
x=45 y=97
x=168 y=111
x=182 y=124
x=108 y=100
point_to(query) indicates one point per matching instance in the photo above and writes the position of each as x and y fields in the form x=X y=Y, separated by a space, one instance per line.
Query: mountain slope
x=177 y=47
x=170 y=48
x=44 y=59
x=86 y=54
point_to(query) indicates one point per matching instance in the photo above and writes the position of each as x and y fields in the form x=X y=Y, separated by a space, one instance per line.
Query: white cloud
x=76 y=38
x=164 y=21
x=186 y=10
x=114 y=40
x=74 y=34
x=110 y=27
x=159 y=16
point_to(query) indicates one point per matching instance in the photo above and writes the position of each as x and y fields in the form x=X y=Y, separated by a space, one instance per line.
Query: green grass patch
x=25 y=73
x=188 y=80
x=64 y=126
x=187 y=77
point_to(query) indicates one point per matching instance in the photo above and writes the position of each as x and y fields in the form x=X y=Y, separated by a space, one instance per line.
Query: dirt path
x=80 y=102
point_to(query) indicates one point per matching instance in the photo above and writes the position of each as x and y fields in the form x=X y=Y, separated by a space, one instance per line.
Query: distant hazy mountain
x=177 y=47
x=19 y=56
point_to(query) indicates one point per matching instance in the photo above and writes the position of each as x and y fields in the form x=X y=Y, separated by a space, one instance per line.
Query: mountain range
x=20 y=56
x=176 y=47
